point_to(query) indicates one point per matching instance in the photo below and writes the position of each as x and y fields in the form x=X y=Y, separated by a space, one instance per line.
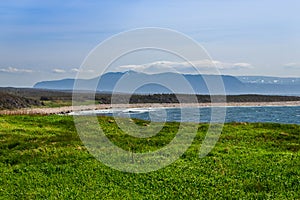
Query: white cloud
x=59 y=71
x=232 y=66
x=246 y=65
x=15 y=70
x=80 y=70
x=292 y=65
x=75 y=70
x=184 y=67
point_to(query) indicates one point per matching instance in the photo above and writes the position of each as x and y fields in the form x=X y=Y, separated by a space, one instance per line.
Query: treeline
x=172 y=98
x=23 y=97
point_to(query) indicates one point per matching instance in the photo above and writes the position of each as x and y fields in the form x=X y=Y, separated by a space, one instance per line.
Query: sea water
x=278 y=114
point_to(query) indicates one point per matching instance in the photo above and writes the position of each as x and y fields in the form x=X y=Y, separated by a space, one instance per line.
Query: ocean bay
x=274 y=114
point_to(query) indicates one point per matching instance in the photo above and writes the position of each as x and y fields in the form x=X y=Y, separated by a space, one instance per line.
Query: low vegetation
x=9 y=101
x=42 y=157
x=28 y=97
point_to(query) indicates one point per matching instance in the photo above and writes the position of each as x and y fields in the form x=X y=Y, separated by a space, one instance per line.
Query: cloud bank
x=15 y=70
x=58 y=71
x=204 y=66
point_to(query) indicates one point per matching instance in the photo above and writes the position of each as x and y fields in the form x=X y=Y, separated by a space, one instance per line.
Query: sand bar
x=68 y=109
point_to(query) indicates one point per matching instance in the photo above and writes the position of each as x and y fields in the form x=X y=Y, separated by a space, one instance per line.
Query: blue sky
x=42 y=40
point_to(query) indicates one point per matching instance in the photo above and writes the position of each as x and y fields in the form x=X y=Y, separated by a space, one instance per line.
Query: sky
x=48 y=40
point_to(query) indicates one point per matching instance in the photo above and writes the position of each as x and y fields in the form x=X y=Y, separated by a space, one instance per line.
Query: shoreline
x=68 y=109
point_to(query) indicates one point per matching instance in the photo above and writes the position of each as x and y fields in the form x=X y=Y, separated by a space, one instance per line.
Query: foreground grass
x=42 y=157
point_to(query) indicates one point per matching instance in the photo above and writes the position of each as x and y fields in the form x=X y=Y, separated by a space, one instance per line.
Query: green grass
x=56 y=103
x=60 y=103
x=42 y=157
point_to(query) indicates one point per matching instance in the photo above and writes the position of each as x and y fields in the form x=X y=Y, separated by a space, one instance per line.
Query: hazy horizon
x=96 y=76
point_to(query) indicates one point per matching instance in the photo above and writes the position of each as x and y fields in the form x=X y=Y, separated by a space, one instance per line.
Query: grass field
x=42 y=157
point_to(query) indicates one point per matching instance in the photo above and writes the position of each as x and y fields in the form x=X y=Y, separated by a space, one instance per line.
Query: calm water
x=278 y=114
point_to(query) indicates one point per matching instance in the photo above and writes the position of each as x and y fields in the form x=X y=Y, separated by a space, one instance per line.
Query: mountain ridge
x=232 y=84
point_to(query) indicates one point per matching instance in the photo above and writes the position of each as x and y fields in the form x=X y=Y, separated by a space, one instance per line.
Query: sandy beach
x=68 y=109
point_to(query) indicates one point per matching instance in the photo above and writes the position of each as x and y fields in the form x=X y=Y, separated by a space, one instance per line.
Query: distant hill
x=108 y=81
x=269 y=80
x=233 y=85
x=9 y=101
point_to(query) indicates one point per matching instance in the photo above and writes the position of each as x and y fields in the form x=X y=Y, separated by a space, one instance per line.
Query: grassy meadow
x=42 y=157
